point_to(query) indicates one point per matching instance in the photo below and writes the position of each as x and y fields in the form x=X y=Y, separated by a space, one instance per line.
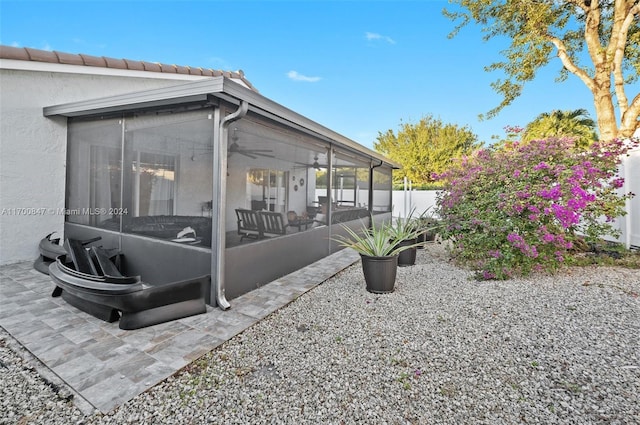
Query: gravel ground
x=441 y=349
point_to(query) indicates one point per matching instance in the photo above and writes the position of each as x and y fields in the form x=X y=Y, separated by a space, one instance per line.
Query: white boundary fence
x=629 y=225
x=418 y=200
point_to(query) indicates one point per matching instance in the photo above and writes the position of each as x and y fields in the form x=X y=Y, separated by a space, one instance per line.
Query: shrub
x=525 y=207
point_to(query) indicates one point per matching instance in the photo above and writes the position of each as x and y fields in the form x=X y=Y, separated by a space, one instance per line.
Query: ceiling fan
x=234 y=147
x=315 y=164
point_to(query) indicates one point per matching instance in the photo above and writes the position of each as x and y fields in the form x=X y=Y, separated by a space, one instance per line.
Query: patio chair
x=249 y=224
x=299 y=222
x=273 y=224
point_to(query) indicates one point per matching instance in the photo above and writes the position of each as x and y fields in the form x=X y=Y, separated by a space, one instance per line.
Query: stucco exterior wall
x=33 y=148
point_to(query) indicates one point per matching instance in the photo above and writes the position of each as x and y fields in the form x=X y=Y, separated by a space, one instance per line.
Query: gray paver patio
x=107 y=366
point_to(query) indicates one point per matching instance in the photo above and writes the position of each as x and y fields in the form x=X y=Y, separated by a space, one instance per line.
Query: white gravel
x=441 y=349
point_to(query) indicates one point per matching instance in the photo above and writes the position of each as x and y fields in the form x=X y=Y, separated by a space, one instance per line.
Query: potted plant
x=379 y=248
x=406 y=232
x=428 y=225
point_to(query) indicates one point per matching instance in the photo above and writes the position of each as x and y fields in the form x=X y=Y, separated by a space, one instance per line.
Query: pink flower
x=541 y=166
x=618 y=183
x=554 y=193
x=514 y=238
x=488 y=275
x=495 y=253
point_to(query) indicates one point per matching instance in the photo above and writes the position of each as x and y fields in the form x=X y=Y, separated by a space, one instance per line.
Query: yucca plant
x=404 y=229
x=379 y=247
x=380 y=240
x=428 y=225
x=406 y=232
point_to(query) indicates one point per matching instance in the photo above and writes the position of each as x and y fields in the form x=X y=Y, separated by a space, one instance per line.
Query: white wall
x=33 y=148
x=418 y=200
x=630 y=224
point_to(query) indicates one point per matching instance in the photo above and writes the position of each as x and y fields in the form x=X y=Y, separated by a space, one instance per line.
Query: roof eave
x=166 y=96
x=200 y=91
x=267 y=107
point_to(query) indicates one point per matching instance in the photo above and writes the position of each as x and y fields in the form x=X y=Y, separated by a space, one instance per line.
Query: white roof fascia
x=182 y=93
x=62 y=68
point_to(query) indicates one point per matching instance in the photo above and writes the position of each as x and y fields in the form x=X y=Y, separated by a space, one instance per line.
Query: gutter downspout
x=219 y=198
x=371 y=170
x=330 y=153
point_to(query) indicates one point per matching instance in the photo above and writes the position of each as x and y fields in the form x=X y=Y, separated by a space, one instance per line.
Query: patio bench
x=272 y=224
x=260 y=224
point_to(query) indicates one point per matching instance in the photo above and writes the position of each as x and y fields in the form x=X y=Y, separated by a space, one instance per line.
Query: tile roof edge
x=37 y=55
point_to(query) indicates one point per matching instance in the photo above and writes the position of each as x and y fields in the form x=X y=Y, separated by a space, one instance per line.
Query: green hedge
x=424 y=186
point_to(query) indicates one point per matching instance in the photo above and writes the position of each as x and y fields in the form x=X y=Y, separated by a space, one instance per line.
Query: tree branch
x=592 y=35
x=568 y=63
x=579 y=4
x=629 y=119
x=624 y=22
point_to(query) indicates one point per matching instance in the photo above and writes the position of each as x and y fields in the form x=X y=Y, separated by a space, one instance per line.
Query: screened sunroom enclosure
x=213 y=178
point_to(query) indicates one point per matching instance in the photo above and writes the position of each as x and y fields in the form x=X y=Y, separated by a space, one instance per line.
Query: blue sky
x=357 y=67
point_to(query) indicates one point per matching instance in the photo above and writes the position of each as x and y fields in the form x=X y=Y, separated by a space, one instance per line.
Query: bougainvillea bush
x=525 y=207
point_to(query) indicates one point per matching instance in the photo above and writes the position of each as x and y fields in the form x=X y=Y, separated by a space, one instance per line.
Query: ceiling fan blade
x=248 y=155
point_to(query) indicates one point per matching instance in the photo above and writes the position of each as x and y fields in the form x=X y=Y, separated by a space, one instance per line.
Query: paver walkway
x=107 y=366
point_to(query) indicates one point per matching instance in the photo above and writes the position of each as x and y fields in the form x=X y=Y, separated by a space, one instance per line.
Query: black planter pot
x=422 y=238
x=408 y=256
x=426 y=236
x=380 y=273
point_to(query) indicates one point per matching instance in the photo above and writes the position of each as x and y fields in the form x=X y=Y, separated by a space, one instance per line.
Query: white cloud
x=375 y=36
x=46 y=46
x=219 y=63
x=295 y=76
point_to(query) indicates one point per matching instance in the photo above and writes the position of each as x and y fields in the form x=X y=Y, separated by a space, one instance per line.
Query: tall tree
x=425 y=147
x=574 y=124
x=606 y=30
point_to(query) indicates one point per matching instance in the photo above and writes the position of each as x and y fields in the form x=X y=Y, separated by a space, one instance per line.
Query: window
x=153 y=180
x=350 y=188
x=267 y=189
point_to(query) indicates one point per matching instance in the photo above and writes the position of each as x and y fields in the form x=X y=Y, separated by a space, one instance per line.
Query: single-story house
x=187 y=171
